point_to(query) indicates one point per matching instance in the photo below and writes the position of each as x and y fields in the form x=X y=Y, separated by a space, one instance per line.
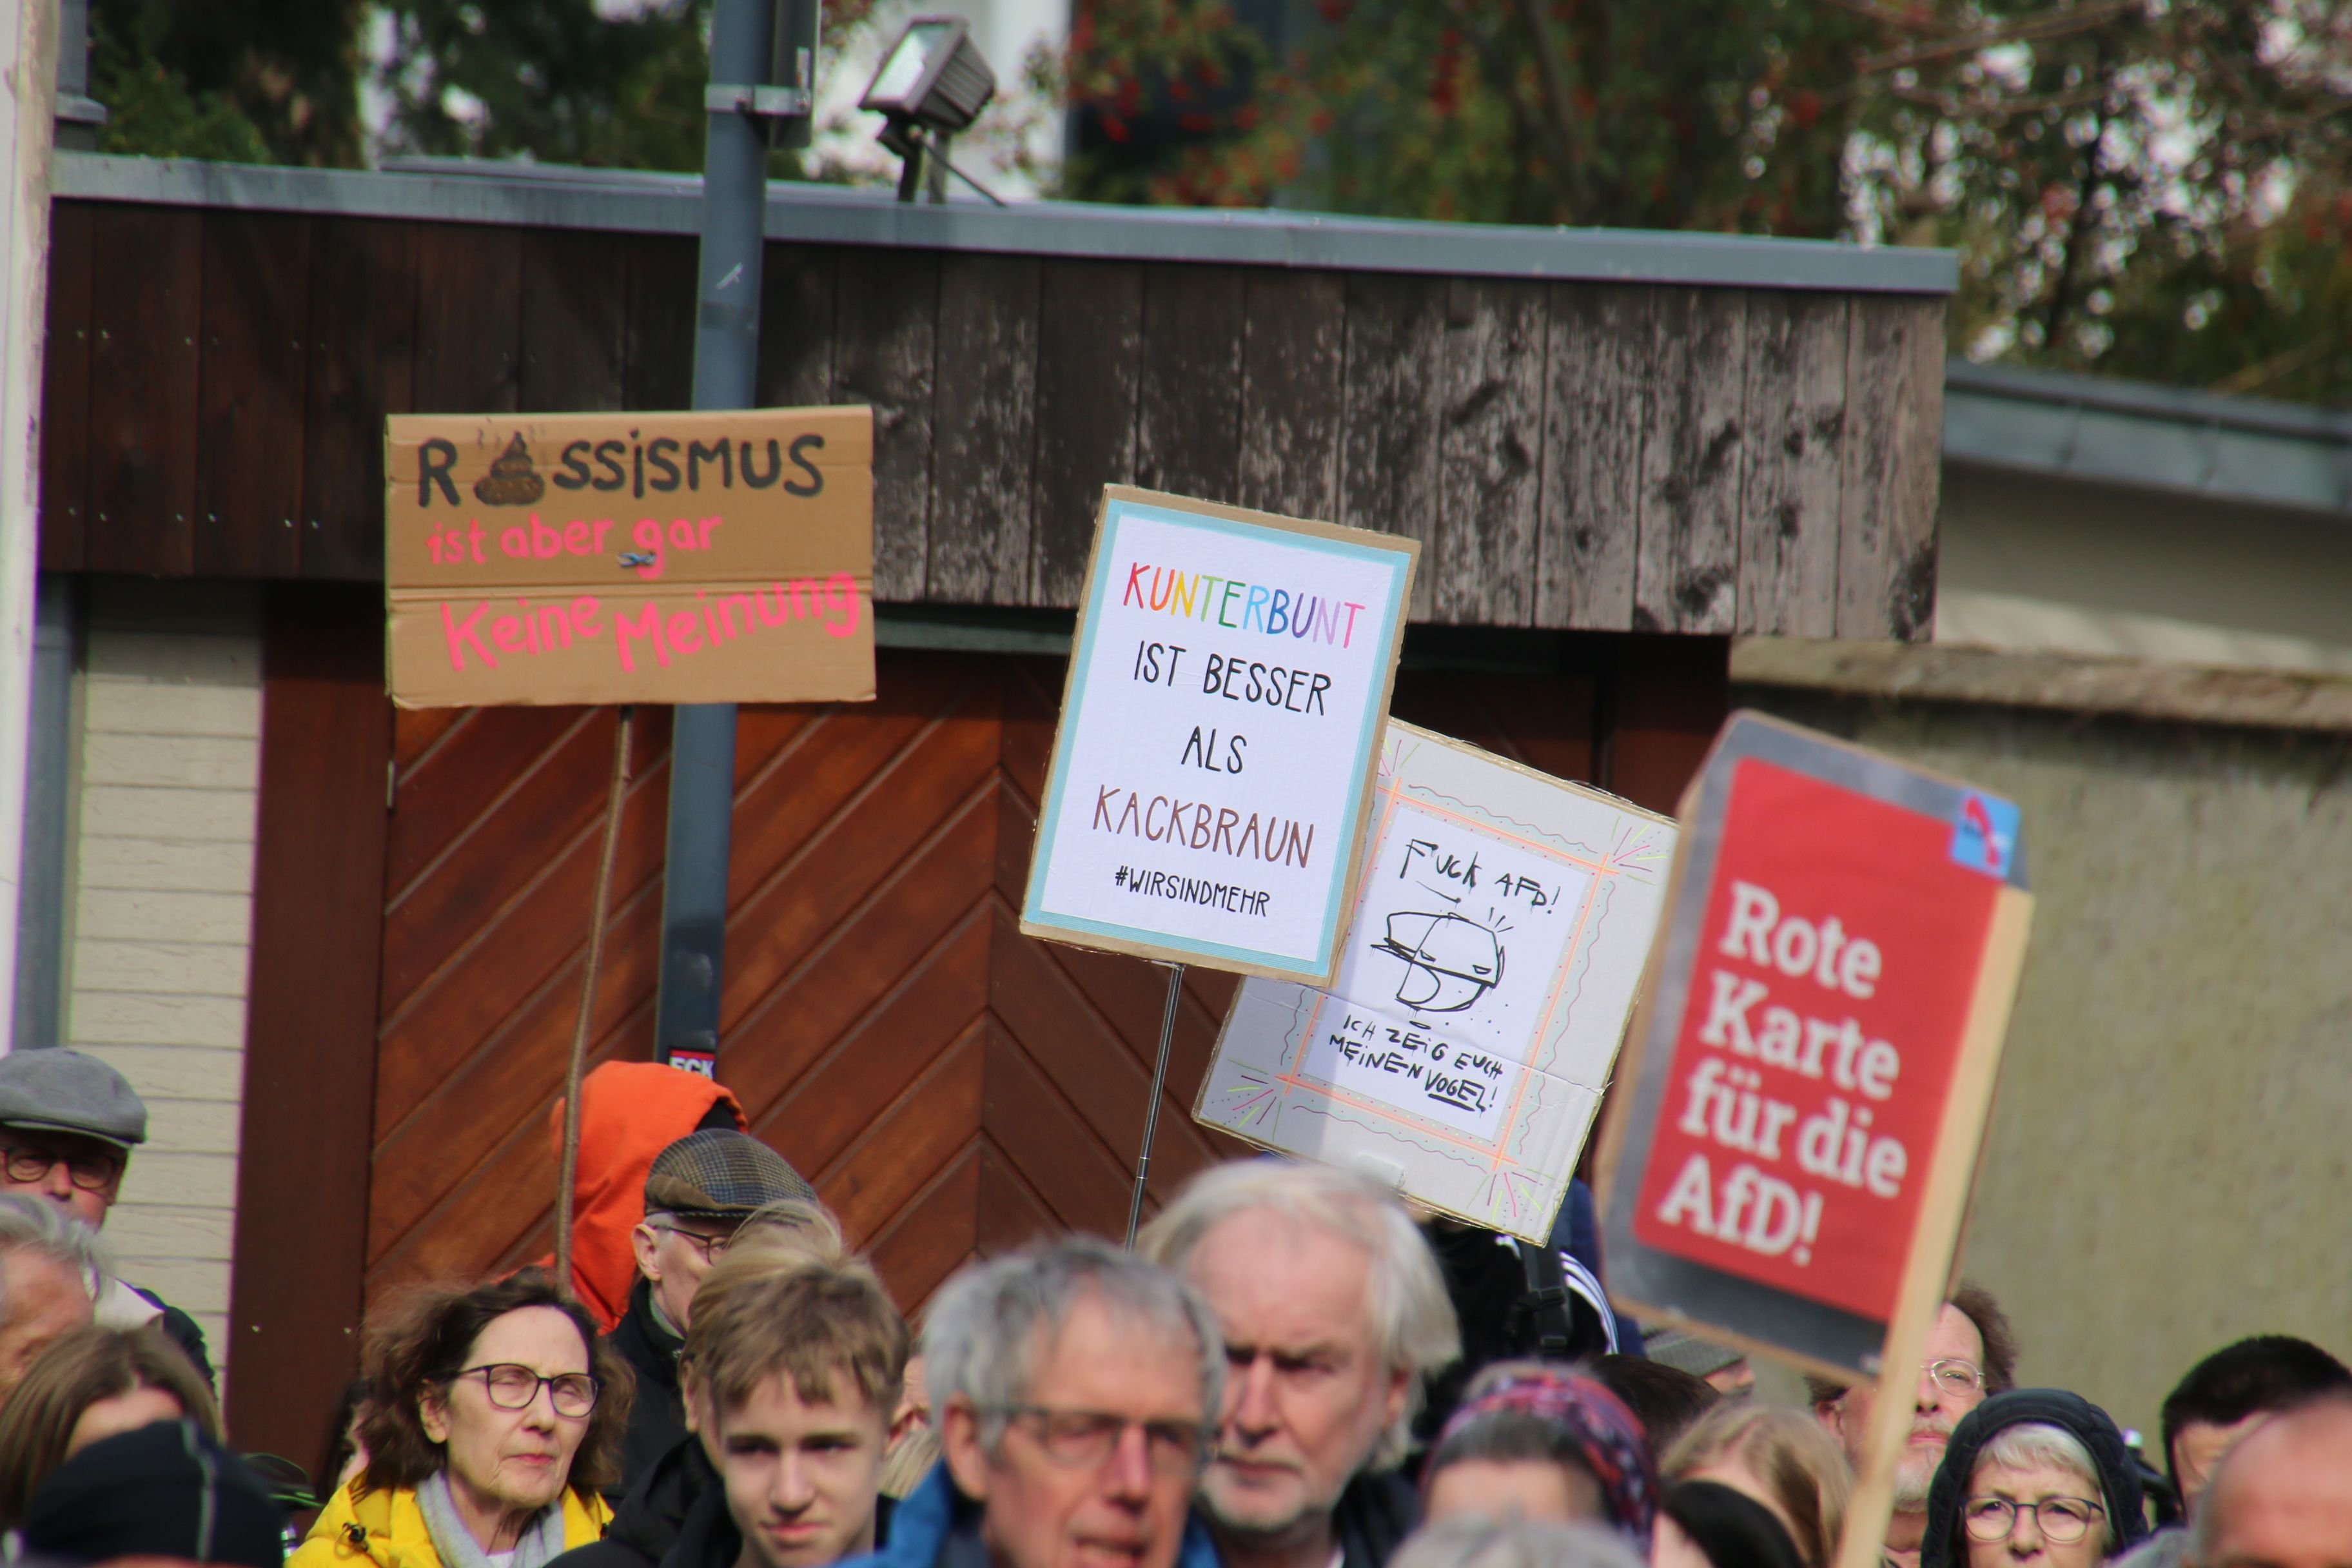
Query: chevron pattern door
x=951 y=1087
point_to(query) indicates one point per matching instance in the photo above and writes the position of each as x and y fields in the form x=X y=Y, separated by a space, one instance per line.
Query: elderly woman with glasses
x=2036 y=1477
x=490 y=1418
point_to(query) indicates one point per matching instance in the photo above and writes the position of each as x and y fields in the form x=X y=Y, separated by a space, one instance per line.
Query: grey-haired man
x=700 y=1191
x=1076 y=1388
x=67 y=1124
x=1334 y=1314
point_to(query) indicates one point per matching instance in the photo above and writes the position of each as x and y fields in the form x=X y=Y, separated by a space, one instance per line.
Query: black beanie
x=166 y=1490
x=2119 y=1475
x=1733 y=1529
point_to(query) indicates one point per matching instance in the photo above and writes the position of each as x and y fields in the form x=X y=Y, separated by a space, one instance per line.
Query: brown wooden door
x=949 y=1086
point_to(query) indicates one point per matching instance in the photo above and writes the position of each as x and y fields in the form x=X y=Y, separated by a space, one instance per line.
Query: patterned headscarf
x=1608 y=1437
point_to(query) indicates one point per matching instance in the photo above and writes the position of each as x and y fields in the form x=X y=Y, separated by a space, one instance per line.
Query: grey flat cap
x=62 y=1091
x=720 y=1173
x=1688 y=1351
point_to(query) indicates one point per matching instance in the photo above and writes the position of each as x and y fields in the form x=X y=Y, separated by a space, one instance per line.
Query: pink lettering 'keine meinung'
x=482 y=636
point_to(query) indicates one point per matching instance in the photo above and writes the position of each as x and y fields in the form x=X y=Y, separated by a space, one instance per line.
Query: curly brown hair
x=77 y=1370
x=421 y=1341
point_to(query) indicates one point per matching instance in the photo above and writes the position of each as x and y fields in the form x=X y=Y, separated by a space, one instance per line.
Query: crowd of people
x=1290 y=1370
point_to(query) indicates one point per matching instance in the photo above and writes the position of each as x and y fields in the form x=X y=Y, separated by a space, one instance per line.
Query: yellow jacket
x=394 y=1525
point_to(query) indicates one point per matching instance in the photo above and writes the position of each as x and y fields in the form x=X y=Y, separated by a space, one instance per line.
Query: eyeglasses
x=712 y=1247
x=2061 y=1519
x=90 y=1173
x=1959 y=1378
x=512 y=1387
x=1085 y=1439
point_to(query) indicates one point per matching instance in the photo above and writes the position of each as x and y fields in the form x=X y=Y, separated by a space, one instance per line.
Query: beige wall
x=2094 y=568
x=2167 y=1167
x=168 y=755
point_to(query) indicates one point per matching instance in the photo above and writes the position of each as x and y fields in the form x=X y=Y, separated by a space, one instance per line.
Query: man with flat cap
x=67 y=1124
x=698 y=1193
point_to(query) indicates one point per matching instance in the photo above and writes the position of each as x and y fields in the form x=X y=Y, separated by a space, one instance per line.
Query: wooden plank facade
x=1574 y=455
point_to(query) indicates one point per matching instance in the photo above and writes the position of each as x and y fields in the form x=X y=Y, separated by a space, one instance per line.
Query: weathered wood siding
x=1605 y=457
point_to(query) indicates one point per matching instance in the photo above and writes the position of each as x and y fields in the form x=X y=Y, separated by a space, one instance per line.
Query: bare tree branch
x=1560 y=109
x=2033 y=30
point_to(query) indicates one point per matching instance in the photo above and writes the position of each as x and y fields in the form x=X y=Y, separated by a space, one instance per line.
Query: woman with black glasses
x=2036 y=1477
x=491 y=1416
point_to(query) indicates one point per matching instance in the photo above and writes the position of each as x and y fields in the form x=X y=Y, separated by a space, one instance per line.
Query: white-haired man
x=1334 y=1313
x=46 y=1262
x=1076 y=1388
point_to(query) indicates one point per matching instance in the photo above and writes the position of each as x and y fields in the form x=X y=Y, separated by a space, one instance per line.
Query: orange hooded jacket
x=629 y=1112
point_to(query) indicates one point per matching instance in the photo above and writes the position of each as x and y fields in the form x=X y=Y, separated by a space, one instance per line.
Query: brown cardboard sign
x=641 y=557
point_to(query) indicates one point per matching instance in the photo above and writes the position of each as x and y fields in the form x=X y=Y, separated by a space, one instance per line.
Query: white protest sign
x=1499 y=939
x=1213 y=761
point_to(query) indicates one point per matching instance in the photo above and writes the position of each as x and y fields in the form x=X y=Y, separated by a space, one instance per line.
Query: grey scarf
x=456 y=1544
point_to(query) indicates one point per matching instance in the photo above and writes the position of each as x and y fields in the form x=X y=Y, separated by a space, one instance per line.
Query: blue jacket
x=936 y=1526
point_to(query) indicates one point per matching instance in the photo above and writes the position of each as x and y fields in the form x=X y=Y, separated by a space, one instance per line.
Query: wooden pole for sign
x=1920 y=1296
x=571 y=1162
x=1151 y=1112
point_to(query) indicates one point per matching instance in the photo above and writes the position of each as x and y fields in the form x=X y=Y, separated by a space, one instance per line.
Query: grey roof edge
x=2182 y=405
x=2146 y=438
x=537 y=196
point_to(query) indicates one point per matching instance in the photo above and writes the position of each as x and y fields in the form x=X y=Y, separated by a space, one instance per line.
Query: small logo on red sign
x=1985 y=835
x=704 y=1063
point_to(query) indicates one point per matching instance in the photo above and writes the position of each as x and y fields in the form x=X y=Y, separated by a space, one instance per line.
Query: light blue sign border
x=1033 y=910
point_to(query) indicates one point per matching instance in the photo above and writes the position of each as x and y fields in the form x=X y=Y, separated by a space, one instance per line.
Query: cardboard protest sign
x=1214 y=756
x=1816 y=1053
x=646 y=557
x=1498 y=937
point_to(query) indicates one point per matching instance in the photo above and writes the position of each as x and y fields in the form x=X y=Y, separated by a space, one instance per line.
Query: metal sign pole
x=726 y=365
x=1151 y=1112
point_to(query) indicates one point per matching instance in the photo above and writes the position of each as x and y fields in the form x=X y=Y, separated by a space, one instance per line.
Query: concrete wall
x=160 y=913
x=2167 y=1167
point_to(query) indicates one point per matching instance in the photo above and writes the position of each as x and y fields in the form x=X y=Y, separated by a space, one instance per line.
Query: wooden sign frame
x=1665 y=1288
x=1038 y=921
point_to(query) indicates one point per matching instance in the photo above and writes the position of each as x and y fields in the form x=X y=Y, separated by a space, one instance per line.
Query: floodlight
x=933 y=75
x=933 y=83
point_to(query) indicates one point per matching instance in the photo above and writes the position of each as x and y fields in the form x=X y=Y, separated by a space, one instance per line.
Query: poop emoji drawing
x=511 y=480
x=1450 y=961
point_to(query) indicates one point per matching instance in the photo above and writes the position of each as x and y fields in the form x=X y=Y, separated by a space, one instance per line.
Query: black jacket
x=707 y=1537
x=646 y=1522
x=657 y=1415
x=175 y=1325
x=2119 y=1488
x=1374 y=1516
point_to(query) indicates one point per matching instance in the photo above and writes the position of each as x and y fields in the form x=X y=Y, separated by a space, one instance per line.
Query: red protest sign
x=1837 y=952
x=1793 y=1135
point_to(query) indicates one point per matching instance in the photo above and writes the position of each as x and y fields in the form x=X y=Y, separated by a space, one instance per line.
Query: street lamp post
x=760 y=77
